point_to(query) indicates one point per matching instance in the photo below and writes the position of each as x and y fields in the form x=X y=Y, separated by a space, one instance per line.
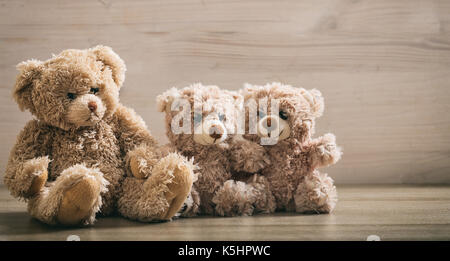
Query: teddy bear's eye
x=261 y=114
x=94 y=90
x=283 y=115
x=197 y=117
x=221 y=117
x=71 y=96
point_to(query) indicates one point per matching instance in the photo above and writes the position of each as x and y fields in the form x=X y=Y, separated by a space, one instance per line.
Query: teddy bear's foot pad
x=37 y=183
x=179 y=190
x=78 y=201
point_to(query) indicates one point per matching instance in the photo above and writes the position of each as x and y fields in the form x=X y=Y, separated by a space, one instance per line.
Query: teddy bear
x=284 y=126
x=85 y=154
x=202 y=122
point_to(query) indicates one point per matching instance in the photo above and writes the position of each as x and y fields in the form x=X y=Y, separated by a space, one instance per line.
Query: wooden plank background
x=383 y=66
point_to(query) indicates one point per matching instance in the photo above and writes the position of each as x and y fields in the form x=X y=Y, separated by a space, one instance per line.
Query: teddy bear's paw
x=78 y=201
x=234 y=198
x=174 y=175
x=316 y=194
x=327 y=151
x=140 y=161
x=81 y=188
x=258 y=159
x=137 y=167
x=248 y=156
x=36 y=170
x=38 y=183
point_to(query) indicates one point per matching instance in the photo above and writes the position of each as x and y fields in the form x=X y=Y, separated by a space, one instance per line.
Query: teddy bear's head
x=72 y=89
x=282 y=111
x=199 y=115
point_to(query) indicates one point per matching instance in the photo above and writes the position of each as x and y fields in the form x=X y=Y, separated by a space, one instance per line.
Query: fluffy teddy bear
x=208 y=117
x=285 y=125
x=84 y=153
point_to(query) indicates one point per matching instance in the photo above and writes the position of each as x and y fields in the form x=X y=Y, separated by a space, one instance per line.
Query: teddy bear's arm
x=247 y=156
x=137 y=144
x=131 y=129
x=27 y=167
x=323 y=151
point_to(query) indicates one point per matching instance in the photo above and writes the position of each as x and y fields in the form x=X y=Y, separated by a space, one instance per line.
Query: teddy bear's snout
x=210 y=132
x=271 y=123
x=215 y=131
x=92 y=106
x=268 y=125
x=86 y=110
x=272 y=126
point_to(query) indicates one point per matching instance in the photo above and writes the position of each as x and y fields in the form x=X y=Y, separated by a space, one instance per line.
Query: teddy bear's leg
x=234 y=198
x=72 y=199
x=316 y=194
x=191 y=205
x=264 y=199
x=162 y=194
x=237 y=198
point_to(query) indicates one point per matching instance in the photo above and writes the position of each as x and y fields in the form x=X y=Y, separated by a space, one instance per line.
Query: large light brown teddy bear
x=85 y=153
x=210 y=138
x=295 y=157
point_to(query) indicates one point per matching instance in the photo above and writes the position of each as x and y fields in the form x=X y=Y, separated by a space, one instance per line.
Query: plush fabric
x=292 y=175
x=85 y=154
x=219 y=152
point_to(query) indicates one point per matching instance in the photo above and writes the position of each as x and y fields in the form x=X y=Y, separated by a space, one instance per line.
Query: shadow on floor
x=21 y=223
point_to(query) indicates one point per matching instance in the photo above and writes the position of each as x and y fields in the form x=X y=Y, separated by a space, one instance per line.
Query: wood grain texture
x=383 y=66
x=392 y=212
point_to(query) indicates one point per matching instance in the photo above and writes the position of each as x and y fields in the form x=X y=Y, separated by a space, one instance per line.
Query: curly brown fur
x=79 y=146
x=217 y=158
x=292 y=175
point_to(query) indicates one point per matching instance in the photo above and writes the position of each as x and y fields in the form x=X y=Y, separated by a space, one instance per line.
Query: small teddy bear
x=201 y=122
x=286 y=115
x=85 y=154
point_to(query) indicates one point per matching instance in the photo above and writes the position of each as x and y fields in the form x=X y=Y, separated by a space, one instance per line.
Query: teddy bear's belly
x=285 y=175
x=95 y=147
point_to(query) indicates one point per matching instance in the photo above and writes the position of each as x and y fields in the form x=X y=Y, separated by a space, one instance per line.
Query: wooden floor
x=390 y=212
x=381 y=65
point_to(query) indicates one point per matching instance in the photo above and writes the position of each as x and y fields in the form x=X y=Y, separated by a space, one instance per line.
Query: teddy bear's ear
x=248 y=90
x=315 y=100
x=247 y=86
x=238 y=100
x=29 y=71
x=110 y=59
x=164 y=101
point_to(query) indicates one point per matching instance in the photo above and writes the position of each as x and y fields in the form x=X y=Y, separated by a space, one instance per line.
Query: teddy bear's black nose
x=215 y=132
x=271 y=123
x=92 y=106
